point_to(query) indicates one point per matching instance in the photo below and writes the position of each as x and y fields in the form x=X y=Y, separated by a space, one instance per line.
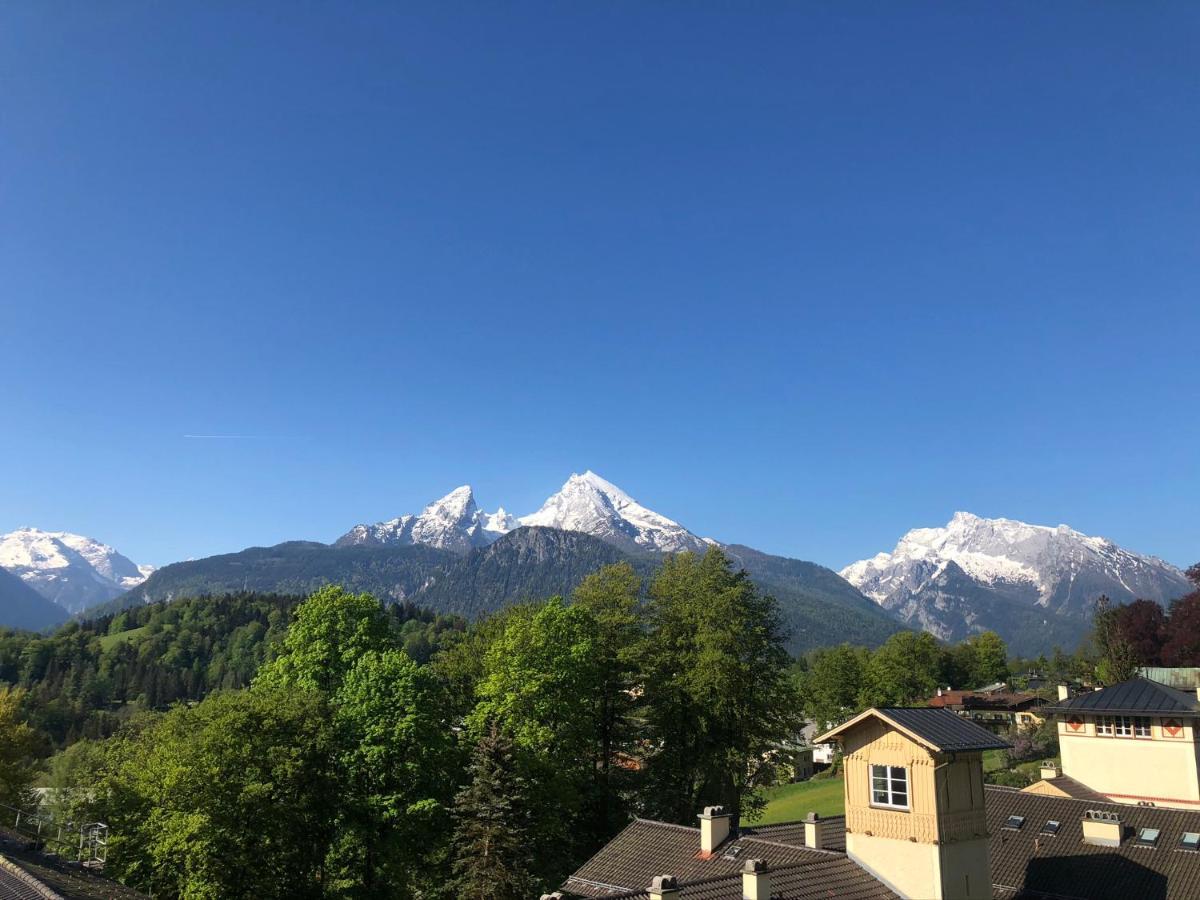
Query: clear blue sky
x=798 y=275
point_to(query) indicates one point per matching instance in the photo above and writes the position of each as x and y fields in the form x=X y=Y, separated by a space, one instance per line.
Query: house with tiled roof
x=920 y=823
x=1135 y=742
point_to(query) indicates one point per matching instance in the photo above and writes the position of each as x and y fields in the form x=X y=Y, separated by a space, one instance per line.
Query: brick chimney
x=756 y=880
x=814 y=832
x=664 y=887
x=714 y=828
x=1102 y=828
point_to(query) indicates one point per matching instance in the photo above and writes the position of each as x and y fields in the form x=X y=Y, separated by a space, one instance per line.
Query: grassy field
x=108 y=641
x=795 y=801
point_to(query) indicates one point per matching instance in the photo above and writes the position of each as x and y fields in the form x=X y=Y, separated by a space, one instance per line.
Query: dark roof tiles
x=1029 y=864
x=823 y=878
x=1138 y=696
x=948 y=732
x=625 y=866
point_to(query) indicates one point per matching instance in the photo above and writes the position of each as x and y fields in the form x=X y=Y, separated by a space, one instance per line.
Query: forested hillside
x=337 y=749
x=88 y=677
x=817 y=605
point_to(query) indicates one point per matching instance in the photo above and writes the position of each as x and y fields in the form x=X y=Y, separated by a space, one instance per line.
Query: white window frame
x=1124 y=726
x=1141 y=727
x=886 y=780
x=1104 y=725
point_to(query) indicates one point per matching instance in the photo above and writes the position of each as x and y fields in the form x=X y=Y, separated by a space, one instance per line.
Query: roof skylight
x=1190 y=840
x=1147 y=837
x=1014 y=822
x=1051 y=826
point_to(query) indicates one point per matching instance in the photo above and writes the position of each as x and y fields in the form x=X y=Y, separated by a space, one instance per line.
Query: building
x=921 y=823
x=29 y=872
x=1134 y=742
x=997 y=711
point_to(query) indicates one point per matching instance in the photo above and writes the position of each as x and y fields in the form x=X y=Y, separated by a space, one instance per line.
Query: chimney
x=664 y=887
x=714 y=828
x=814 y=832
x=756 y=880
x=1064 y=692
x=1050 y=770
x=1102 y=828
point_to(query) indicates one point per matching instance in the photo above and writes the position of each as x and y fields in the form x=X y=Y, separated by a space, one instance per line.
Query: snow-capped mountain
x=69 y=569
x=455 y=522
x=586 y=503
x=978 y=573
x=597 y=507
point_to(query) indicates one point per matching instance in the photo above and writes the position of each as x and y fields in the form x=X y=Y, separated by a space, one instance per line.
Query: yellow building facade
x=915 y=814
x=1135 y=742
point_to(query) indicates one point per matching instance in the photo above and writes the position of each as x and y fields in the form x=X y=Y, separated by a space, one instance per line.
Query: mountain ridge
x=1009 y=576
x=70 y=570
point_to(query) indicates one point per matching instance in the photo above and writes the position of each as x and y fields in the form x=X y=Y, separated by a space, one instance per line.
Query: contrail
x=228 y=437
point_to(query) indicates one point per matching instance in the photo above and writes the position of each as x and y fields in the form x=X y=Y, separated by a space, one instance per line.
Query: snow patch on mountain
x=454 y=522
x=71 y=570
x=1057 y=567
x=597 y=507
x=585 y=503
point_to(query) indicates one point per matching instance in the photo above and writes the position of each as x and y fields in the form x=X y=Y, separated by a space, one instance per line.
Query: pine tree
x=492 y=859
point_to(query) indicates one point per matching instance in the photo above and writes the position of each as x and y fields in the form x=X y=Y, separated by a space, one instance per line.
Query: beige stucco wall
x=938 y=847
x=1160 y=769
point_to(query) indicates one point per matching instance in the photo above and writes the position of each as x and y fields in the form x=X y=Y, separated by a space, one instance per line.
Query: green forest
x=333 y=746
x=262 y=746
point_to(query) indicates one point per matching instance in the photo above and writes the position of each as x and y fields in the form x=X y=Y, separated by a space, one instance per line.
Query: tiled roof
x=943 y=729
x=793 y=833
x=645 y=849
x=1027 y=864
x=1138 y=696
x=1065 y=784
x=68 y=880
x=824 y=878
x=939 y=729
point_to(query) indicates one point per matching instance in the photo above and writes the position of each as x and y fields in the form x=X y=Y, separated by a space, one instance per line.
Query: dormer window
x=889 y=786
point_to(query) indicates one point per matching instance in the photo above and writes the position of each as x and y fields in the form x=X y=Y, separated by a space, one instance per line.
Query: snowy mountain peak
x=453 y=522
x=69 y=569
x=585 y=503
x=597 y=507
x=1053 y=568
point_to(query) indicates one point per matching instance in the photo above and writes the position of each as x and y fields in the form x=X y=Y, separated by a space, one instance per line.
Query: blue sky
x=801 y=276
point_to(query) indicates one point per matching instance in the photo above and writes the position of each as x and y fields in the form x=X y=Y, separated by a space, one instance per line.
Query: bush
x=1009 y=778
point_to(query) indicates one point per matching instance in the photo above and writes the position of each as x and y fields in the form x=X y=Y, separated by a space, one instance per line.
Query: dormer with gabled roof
x=915 y=815
x=1134 y=742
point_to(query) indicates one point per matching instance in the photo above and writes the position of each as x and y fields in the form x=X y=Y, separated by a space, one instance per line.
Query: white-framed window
x=1123 y=726
x=889 y=786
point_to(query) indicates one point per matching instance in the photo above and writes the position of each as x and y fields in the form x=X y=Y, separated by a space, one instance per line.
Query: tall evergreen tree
x=718 y=693
x=492 y=850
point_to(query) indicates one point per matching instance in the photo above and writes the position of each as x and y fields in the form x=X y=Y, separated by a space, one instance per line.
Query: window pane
x=899 y=772
x=881 y=797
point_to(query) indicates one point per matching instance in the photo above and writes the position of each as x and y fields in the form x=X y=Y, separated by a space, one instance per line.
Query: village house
x=1119 y=819
x=998 y=711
